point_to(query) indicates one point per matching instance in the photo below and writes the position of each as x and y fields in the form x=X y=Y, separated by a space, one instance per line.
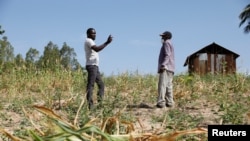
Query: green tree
x=6 y=51
x=32 y=57
x=1 y=31
x=76 y=65
x=67 y=55
x=6 y=55
x=51 y=57
x=19 y=61
x=245 y=17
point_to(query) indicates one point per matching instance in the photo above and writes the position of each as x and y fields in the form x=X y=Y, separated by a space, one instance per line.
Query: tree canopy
x=52 y=58
x=1 y=31
x=245 y=18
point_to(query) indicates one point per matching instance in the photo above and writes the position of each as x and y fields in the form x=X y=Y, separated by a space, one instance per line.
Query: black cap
x=166 y=33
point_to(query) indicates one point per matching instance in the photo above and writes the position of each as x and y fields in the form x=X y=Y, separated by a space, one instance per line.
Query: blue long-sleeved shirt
x=166 y=57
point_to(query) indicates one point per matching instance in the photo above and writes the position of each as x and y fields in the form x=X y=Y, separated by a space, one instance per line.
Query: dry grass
x=128 y=111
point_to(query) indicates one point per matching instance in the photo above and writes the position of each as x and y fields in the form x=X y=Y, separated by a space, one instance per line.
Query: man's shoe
x=169 y=106
x=159 y=106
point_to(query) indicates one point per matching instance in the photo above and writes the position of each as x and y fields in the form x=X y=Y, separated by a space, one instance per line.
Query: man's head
x=91 y=33
x=166 y=35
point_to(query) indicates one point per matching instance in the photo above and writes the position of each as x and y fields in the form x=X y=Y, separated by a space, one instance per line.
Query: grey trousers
x=94 y=76
x=165 y=89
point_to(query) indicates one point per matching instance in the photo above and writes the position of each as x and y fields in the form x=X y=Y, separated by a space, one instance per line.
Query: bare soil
x=143 y=112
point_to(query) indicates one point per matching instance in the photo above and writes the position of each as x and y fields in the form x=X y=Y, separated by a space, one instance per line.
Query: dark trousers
x=94 y=76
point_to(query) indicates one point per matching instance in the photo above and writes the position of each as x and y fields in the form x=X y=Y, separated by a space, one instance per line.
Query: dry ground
x=144 y=113
x=11 y=121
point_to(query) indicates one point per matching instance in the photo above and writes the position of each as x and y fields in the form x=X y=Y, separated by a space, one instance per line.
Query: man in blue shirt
x=166 y=67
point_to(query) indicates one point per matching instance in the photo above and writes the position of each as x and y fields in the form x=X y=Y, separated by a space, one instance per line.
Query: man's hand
x=109 y=40
x=161 y=70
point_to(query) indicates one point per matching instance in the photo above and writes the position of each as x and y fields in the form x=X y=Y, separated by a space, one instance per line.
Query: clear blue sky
x=135 y=25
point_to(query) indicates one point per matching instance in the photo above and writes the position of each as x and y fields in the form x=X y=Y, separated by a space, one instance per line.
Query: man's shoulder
x=168 y=43
x=89 y=42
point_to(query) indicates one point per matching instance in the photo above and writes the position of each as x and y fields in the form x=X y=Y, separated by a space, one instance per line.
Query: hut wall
x=231 y=63
x=204 y=63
